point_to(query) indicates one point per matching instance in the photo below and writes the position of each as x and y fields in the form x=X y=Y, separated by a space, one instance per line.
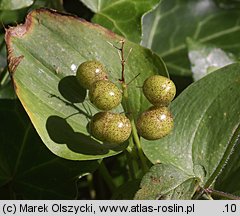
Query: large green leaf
x=14 y=4
x=207 y=119
x=167 y=182
x=27 y=169
x=44 y=54
x=166 y=28
x=122 y=17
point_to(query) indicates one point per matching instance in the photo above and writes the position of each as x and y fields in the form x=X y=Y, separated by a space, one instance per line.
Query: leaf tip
x=19 y=30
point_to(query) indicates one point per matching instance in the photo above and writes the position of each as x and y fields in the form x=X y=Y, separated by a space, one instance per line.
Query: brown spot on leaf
x=13 y=62
x=155 y=180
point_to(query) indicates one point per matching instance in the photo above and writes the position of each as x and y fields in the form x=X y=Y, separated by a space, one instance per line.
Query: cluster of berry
x=115 y=128
x=157 y=121
x=105 y=95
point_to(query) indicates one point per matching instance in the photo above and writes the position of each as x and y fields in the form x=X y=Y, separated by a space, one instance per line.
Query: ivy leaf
x=43 y=72
x=207 y=123
x=27 y=169
x=167 y=182
x=122 y=17
x=14 y=5
x=166 y=28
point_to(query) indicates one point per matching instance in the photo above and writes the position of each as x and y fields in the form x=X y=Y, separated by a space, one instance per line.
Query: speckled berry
x=109 y=127
x=159 y=90
x=105 y=95
x=89 y=72
x=155 y=123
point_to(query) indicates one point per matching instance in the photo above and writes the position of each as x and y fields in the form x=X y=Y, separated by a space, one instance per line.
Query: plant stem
x=127 y=108
x=4 y=77
x=139 y=147
x=122 y=61
x=222 y=194
x=135 y=137
x=107 y=177
x=209 y=192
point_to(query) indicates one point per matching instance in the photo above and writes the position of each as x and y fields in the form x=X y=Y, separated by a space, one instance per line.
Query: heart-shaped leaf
x=207 y=122
x=44 y=54
x=122 y=17
x=28 y=170
x=166 y=28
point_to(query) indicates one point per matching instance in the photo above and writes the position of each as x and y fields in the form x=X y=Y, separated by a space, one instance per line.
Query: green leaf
x=122 y=17
x=14 y=4
x=206 y=58
x=166 y=28
x=43 y=72
x=167 y=182
x=27 y=169
x=207 y=119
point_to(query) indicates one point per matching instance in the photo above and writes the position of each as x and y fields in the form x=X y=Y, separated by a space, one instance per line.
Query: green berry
x=155 y=123
x=89 y=72
x=105 y=95
x=159 y=90
x=109 y=127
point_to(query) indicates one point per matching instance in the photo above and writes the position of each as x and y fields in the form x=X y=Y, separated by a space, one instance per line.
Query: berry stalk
x=127 y=108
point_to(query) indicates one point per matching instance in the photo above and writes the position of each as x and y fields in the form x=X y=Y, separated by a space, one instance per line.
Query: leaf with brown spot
x=167 y=182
